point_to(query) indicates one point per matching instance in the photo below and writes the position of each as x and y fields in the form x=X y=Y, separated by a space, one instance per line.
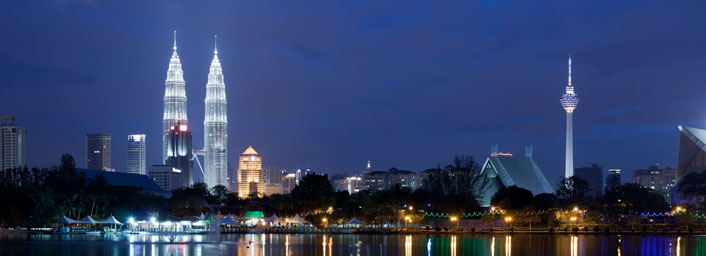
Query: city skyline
x=303 y=102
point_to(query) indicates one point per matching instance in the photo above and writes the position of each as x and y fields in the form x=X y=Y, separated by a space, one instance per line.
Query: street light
x=411 y=208
x=455 y=219
x=572 y=219
x=576 y=208
x=508 y=220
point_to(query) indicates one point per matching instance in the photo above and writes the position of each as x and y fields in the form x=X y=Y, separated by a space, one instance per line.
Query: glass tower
x=136 y=154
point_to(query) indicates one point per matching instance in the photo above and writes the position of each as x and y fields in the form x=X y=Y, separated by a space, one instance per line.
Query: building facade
x=250 y=178
x=593 y=175
x=179 y=152
x=137 y=154
x=174 y=99
x=659 y=180
x=375 y=180
x=98 y=152
x=569 y=101
x=273 y=174
x=612 y=181
x=13 y=144
x=692 y=151
x=352 y=184
x=289 y=182
x=166 y=177
x=215 y=127
x=406 y=179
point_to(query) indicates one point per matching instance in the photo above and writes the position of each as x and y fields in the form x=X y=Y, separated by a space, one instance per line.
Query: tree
x=572 y=190
x=314 y=193
x=693 y=185
x=512 y=198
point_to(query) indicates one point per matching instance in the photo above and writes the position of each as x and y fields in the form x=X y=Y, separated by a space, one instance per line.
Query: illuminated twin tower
x=215 y=150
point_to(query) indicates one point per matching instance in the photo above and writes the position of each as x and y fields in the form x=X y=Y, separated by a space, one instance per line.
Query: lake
x=352 y=244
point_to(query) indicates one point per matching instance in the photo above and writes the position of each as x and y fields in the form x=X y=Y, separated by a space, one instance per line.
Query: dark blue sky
x=331 y=84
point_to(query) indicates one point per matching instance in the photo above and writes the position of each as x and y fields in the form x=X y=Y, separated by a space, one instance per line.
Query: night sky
x=328 y=85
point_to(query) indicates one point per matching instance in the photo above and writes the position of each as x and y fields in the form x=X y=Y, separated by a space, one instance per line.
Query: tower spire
x=175 y=48
x=215 y=44
x=569 y=70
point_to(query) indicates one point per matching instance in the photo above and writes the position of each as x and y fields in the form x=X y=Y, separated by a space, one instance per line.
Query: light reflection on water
x=352 y=244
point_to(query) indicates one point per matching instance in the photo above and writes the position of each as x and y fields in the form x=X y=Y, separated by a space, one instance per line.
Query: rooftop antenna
x=215 y=44
x=569 y=70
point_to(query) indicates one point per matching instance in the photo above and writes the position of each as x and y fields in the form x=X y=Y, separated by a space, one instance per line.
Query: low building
x=166 y=177
x=353 y=184
x=504 y=170
x=613 y=180
x=273 y=188
x=375 y=180
x=654 y=178
x=406 y=179
x=593 y=175
x=143 y=182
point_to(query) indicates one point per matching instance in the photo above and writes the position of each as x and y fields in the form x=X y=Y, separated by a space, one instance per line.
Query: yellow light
x=573 y=218
x=492 y=209
x=576 y=208
x=411 y=208
x=508 y=219
x=407 y=218
x=324 y=220
x=453 y=218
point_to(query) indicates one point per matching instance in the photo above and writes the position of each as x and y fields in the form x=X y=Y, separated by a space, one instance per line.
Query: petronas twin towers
x=215 y=150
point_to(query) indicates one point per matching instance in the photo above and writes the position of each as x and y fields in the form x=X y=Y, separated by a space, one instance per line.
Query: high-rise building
x=174 y=99
x=167 y=177
x=232 y=178
x=136 y=154
x=272 y=174
x=98 y=151
x=179 y=154
x=375 y=180
x=613 y=181
x=215 y=127
x=352 y=184
x=13 y=143
x=250 y=178
x=569 y=101
x=404 y=178
x=593 y=175
x=289 y=182
x=656 y=179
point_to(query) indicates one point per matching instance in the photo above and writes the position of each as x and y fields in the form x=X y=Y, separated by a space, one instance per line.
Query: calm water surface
x=349 y=244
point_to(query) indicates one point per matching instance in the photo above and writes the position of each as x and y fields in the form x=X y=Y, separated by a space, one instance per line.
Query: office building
x=98 y=151
x=352 y=184
x=375 y=180
x=656 y=179
x=136 y=154
x=166 y=177
x=273 y=174
x=272 y=188
x=179 y=154
x=13 y=144
x=250 y=178
x=593 y=175
x=289 y=182
x=404 y=178
x=613 y=180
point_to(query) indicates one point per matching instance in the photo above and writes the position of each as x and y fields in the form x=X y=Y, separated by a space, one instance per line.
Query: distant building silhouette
x=136 y=154
x=98 y=152
x=594 y=176
x=13 y=144
x=613 y=180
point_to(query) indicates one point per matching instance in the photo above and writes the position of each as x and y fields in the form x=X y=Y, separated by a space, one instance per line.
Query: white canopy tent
x=67 y=220
x=354 y=223
x=88 y=220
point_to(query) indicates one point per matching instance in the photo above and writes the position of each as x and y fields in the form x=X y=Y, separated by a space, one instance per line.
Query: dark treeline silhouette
x=37 y=197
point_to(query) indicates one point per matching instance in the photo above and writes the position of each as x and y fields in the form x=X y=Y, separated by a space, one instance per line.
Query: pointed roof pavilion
x=250 y=151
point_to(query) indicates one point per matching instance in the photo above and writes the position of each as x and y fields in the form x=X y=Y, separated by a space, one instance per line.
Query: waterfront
x=352 y=244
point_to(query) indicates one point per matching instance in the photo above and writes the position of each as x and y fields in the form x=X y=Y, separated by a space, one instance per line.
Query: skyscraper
x=179 y=154
x=174 y=99
x=12 y=144
x=613 y=181
x=215 y=127
x=98 y=151
x=273 y=174
x=250 y=178
x=136 y=154
x=593 y=175
x=569 y=101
